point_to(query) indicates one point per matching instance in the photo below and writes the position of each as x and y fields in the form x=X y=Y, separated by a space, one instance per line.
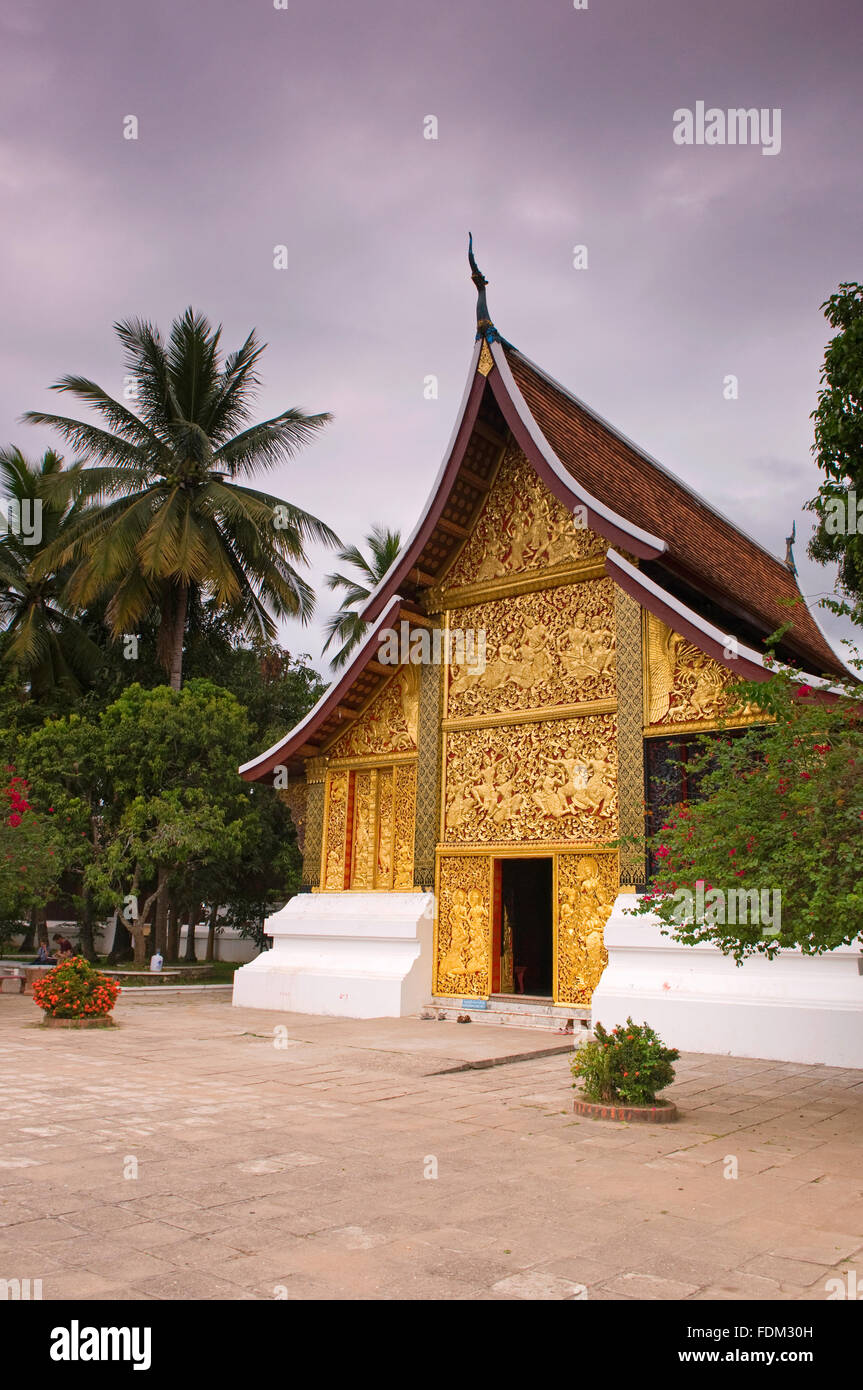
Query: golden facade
x=530 y=747
x=530 y=756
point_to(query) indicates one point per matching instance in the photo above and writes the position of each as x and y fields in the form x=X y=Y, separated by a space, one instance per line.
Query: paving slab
x=189 y=1155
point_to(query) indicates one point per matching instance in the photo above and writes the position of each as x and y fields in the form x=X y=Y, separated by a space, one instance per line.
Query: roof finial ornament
x=484 y=326
x=789 y=548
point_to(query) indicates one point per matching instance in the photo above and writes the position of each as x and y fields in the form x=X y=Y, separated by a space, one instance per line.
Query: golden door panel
x=369 y=828
x=587 y=885
x=387 y=725
x=463 y=931
x=404 y=815
x=551 y=647
x=536 y=783
x=363 y=837
x=683 y=688
x=334 y=855
x=521 y=527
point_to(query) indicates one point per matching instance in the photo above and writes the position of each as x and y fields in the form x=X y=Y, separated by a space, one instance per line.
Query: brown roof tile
x=704 y=548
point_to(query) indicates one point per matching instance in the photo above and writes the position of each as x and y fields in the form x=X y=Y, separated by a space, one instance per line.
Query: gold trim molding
x=532 y=716
x=372 y=760
x=439 y=600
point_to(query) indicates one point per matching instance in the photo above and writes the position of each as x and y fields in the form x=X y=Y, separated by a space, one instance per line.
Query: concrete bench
x=25 y=973
x=12 y=980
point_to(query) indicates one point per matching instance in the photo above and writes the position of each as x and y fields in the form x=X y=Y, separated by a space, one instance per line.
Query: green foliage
x=838 y=448
x=780 y=809
x=74 y=989
x=30 y=864
x=625 y=1067
x=162 y=516
x=346 y=626
x=45 y=645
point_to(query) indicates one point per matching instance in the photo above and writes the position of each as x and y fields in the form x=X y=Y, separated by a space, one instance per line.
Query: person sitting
x=42 y=956
x=63 y=946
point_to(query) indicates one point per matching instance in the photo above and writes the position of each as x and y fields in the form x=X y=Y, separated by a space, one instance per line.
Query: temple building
x=471 y=793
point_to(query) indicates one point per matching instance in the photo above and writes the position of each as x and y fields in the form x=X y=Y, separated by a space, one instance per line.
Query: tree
x=45 y=645
x=838 y=449
x=346 y=626
x=68 y=780
x=29 y=862
x=163 y=516
x=768 y=856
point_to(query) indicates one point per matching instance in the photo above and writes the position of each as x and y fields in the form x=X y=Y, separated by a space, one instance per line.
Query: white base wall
x=793 y=1008
x=350 y=955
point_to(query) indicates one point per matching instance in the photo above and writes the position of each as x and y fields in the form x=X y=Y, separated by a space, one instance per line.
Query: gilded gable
x=521 y=527
x=388 y=724
x=684 y=687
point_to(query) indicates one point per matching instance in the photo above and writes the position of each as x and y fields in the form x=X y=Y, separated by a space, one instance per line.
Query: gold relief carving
x=630 y=737
x=532 y=782
x=404 y=816
x=463 y=941
x=294 y=796
x=389 y=722
x=384 y=838
x=683 y=685
x=362 y=853
x=316 y=770
x=586 y=889
x=486 y=361
x=542 y=649
x=312 y=849
x=521 y=527
x=335 y=836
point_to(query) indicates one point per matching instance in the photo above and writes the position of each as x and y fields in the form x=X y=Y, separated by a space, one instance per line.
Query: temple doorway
x=525 y=963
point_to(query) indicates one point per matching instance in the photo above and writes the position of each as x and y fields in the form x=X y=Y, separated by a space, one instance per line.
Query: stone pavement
x=272 y=1165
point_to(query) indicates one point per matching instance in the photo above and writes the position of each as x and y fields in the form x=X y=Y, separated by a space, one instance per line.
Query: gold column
x=316 y=771
x=428 y=779
x=630 y=736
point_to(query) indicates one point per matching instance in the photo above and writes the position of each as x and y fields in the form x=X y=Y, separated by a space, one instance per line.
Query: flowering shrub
x=30 y=864
x=779 y=808
x=74 y=989
x=624 y=1067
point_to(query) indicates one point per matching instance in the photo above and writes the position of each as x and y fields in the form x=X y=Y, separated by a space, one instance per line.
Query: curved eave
x=303 y=732
x=600 y=518
x=530 y=438
x=748 y=664
x=437 y=498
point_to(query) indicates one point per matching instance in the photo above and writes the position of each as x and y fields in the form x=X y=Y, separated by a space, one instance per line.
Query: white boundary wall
x=353 y=955
x=793 y=1008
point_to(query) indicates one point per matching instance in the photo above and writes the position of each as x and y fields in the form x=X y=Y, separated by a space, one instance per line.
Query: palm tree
x=164 y=518
x=43 y=642
x=346 y=626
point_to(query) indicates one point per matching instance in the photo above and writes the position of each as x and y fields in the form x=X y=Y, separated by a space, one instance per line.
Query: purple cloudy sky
x=304 y=127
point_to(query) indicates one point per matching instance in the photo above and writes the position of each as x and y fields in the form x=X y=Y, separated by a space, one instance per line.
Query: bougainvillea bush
x=30 y=864
x=624 y=1067
x=778 y=820
x=74 y=989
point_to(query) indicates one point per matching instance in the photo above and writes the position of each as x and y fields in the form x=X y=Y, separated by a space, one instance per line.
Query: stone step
x=515 y=1011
